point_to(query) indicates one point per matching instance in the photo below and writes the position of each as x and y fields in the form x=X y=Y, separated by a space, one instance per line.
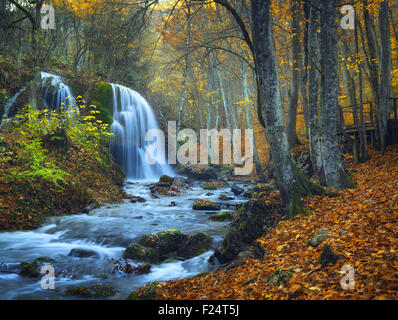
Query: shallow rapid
x=107 y=230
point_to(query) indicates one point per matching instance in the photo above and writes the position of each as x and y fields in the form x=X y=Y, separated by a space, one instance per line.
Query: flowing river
x=107 y=230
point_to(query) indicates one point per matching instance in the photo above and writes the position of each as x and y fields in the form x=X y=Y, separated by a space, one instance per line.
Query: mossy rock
x=224 y=197
x=279 y=277
x=30 y=270
x=255 y=218
x=221 y=216
x=147 y=292
x=318 y=238
x=94 y=291
x=101 y=96
x=82 y=253
x=45 y=260
x=196 y=245
x=163 y=242
x=205 y=205
x=137 y=251
x=170 y=260
x=254 y=192
x=166 y=180
x=328 y=257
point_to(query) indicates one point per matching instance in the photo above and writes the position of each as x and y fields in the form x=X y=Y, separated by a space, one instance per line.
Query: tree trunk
x=363 y=148
x=185 y=75
x=304 y=64
x=385 y=72
x=313 y=92
x=290 y=181
x=335 y=174
x=294 y=83
x=374 y=72
x=248 y=115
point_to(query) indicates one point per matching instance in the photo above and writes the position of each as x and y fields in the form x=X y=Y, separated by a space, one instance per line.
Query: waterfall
x=8 y=106
x=132 y=118
x=56 y=93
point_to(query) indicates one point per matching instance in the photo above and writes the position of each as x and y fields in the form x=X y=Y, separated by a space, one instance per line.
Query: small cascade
x=8 y=106
x=132 y=118
x=56 y=94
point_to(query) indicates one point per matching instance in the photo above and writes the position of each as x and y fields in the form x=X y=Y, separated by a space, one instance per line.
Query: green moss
x=96 y=291
x=137 y=251
x=30 y=270
x=196 y=245
x=279 y=277
x=346 y=180
x=101 y=97
x=170 y=260
x=165 y=179
x=147 y=292
x=45 y=260
x=205 y=205
x=3 y=100
x=221 y=216
x=302 y=187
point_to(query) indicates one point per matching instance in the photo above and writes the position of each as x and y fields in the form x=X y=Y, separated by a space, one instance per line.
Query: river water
x=107 y=230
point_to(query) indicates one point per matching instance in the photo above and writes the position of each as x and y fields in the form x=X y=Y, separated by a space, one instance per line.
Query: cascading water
x=132 y=118
x=56 y=94
x=8 y=106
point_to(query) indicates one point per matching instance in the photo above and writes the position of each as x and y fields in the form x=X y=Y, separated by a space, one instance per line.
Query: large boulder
x=158 y=247
x=195 y=245
x=138 y=252
x=166 y=180
x=163 y=242
x=253 y=220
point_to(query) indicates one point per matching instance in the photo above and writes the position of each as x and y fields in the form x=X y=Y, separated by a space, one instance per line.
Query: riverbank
x=359 y=225
x=49 y=169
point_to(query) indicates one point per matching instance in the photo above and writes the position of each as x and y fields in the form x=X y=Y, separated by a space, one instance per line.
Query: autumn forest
x=199 y=150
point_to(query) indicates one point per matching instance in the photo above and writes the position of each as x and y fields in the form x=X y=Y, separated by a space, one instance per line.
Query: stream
x=107 y=230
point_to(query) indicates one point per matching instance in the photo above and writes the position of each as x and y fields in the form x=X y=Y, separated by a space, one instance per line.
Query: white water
x=132 y=118
x=56 y=94
x=8 y=106
x=107 y=230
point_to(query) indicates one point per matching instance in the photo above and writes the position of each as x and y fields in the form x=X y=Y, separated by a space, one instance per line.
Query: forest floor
x=363 y=224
